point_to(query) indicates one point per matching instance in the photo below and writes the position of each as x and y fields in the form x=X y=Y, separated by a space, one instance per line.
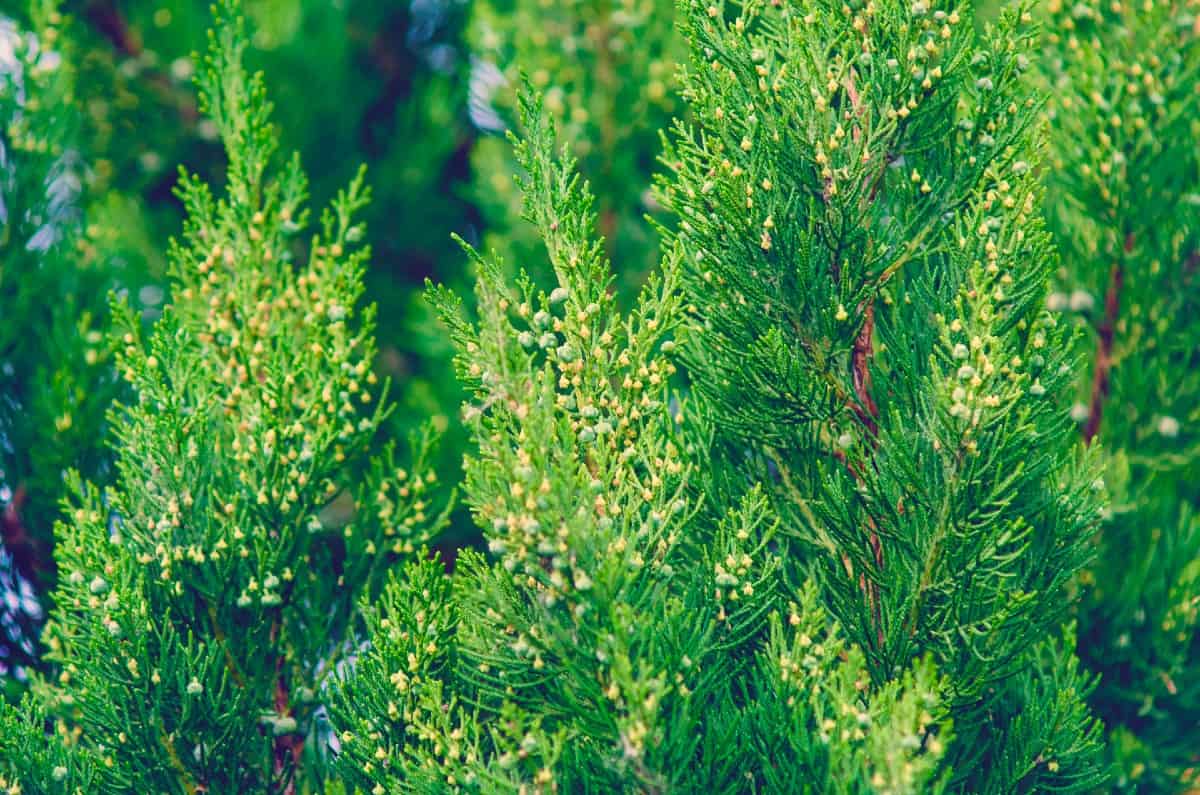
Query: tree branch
x=288 y=744
x=1101 y=377
x=860 y=359
x=865 y=407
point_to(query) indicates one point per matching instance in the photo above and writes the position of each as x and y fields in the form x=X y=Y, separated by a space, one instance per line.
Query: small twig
x=285 y=745
x=219 y=635
x=802 y=503
x=868 y=412
x=185 y=778
x=871 y=182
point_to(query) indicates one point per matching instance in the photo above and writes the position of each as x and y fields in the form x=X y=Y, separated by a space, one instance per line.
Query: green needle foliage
x=606 y=71
x=867 y=267
x=622 y=641
x=32 y=765
x=207 y=596
x=852 y=544
x=1123 y=188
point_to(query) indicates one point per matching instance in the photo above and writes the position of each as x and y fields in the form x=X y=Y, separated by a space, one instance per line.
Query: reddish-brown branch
x=872 y=181
x=868 y=415
x=289 y=747
x=1102 y=375
x=860 y=361
x=865 y=408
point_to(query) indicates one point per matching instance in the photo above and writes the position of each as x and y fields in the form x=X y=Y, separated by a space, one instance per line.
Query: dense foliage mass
x=867 y=270
x=204 y=599
x=613 y=660
x=864 y=463
x=1123 y=186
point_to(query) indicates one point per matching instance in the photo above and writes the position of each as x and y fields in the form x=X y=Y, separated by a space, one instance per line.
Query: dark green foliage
x=1123 y=183
x=860 y=541
x=866 y=263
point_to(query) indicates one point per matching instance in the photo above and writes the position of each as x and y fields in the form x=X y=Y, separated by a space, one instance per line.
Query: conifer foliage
x=622 y=641
x=55 y=383
x=812 y=513
x=865 y=257
x=1123 y=185
x=205 y=597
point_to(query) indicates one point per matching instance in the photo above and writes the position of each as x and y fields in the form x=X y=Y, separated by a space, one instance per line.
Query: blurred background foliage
x=1123 y=193
x=607 y=71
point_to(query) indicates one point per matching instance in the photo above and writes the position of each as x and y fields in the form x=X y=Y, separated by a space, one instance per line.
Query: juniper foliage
x=1123 y=183
x=205 y=598
x=621 y=641
x=847 y=556
x=34 y=764
x=867 y=265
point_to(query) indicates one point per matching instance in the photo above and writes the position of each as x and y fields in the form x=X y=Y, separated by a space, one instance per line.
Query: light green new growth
x=622 y=642
x=205 y=599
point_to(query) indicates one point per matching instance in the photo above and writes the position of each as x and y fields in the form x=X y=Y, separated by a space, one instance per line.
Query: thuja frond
x=859 y=219
x=205 y=596
x=814 y=707
x=622 y=639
